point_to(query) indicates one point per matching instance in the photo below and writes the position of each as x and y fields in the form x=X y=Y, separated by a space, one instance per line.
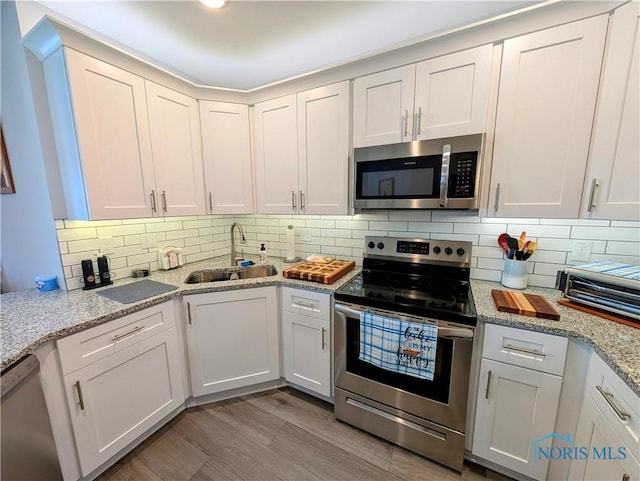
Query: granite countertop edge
x=63 y=313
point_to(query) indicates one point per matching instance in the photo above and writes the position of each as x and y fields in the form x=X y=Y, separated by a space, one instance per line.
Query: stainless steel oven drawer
x=418 y=435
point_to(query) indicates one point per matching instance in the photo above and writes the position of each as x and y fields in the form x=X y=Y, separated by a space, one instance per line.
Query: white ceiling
x=249 y=44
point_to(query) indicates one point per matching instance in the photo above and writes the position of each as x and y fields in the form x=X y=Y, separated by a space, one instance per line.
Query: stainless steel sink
x=231 y=273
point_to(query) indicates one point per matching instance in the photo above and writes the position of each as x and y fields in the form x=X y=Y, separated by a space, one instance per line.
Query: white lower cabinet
x=517 y=404
x=232 y=339
x=114 y=399
x=306 y=339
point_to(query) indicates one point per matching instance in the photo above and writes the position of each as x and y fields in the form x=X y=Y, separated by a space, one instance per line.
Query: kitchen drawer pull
x=80 y=399
x=164 y=201
x=623 y=415
x=324 y=344
x=210 y=202
x=153 y=201
x=594 y=184
x=305 y=305
x=293 y=200
x=189 y=312
x=486 y=392
x=128 y=333
x=495 y=207
x=406 y=123
x=301 y=200
x=526 y=351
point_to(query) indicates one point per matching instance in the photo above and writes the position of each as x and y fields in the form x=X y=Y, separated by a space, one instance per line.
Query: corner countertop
x=31 y=318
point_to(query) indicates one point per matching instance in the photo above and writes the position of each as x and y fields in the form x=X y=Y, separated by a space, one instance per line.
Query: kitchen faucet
x=234 y=259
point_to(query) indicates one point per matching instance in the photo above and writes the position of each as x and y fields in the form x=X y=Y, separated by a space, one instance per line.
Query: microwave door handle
x=444 y=174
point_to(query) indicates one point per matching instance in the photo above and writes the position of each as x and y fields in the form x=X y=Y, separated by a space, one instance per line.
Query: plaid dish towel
x=397 y=345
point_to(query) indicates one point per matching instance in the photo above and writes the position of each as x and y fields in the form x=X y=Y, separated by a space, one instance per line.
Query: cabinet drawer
x=533 y=350
x=91 y=345
x=619 y=404
x=309 y=303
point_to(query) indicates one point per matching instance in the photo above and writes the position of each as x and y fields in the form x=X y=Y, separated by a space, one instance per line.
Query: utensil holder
x=514 y=274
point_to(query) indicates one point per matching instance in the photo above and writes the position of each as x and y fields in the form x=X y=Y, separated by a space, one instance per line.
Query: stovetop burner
x=400 y=281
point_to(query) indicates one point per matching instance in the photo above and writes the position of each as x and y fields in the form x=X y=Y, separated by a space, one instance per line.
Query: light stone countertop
x=31 y=318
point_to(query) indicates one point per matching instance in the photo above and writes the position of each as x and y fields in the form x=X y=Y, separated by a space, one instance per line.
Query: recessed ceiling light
x=214 y=3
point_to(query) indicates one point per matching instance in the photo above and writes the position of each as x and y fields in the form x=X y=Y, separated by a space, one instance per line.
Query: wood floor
x=276 y=435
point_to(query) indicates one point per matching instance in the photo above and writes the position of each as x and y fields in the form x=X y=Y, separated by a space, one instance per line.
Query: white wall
x=206 y=237
x=28 y=245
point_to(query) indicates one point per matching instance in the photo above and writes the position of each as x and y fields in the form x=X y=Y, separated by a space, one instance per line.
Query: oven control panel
x=419 y=250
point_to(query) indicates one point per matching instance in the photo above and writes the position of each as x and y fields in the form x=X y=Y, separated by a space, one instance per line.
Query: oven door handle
x=456 y=332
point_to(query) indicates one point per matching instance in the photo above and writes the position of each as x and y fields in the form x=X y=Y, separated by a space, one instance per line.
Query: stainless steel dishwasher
x=28 y=449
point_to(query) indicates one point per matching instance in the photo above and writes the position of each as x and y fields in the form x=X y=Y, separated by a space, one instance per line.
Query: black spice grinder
x=88 y=277
x=103 y=271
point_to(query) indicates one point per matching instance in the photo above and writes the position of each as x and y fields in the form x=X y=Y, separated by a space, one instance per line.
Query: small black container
x=103 y=271
x=88 y=276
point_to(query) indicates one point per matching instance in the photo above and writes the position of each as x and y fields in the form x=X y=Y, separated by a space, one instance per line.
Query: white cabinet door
x=118 y=398
x=615 y=149
x=452 y=94
x=276 y=156
x=516 y=407
x=177 y=151
x=232 y=339
x=226 y=146
x=307 y=352
x=383 y=107
x=323 y=149
x=113 y=176
x=546 y=100
x=604 y=455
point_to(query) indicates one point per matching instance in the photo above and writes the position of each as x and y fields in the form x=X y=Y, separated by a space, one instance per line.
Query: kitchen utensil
x=88 y=276
x=103 y=271
x=512 y=242
x=523 y=234
x=325 y=273
x=502 y=242
x=530 y=305
x=530 y=250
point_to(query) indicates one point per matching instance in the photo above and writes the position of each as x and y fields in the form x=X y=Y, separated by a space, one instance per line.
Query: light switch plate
x=305 y=235
x=106 y=245
x=148 y=241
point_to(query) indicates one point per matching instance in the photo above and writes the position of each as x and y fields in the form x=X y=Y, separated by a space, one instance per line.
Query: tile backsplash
x=205 y=237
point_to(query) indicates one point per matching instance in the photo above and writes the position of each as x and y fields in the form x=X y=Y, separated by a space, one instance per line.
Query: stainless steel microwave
x=425 y=174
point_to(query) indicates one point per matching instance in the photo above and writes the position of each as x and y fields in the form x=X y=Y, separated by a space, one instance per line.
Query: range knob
x=371 y=245
x=436 y=250
x=380 y=245
x=448 y=251
x=460 y=251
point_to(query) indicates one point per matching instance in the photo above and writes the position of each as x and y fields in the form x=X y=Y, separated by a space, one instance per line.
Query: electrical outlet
x=581 y=251
x=305 y=235
x=106 y=245
x=148 y=241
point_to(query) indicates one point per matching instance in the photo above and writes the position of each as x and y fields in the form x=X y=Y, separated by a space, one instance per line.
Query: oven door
x=442 y=400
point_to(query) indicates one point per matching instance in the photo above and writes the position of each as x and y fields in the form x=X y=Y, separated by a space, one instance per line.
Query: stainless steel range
x=403 y=340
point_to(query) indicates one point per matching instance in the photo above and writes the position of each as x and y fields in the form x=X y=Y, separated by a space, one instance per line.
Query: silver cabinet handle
x=594 y=185
x=305 y=305
x=486 y=392
x=189 y=312
x=164 y=201
x=495 y=207
x=526 y=351
x=153 y=201
x=128 y=333
x=406 y=123
x=210 y=202
x=80 y=399
x=293 y=200
x=301 y=200
x=623 y=415
x=323 y=341
x=419 y=127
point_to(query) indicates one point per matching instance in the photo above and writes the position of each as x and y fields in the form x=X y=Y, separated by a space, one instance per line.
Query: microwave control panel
x=462 y=175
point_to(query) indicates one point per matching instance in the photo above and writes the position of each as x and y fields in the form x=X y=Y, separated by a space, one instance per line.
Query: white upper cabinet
x=612 y=183
x=323 y=149
x=383 y=107
x=276 y=151
x=226 y=146
x=546 y=101
x=439 y=97
x=102 y=137
x=174 y=120
x=452 y=94
x=302 y=152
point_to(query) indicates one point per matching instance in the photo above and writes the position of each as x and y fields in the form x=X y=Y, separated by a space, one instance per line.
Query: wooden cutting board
x=316 y=272
x=530 y=305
